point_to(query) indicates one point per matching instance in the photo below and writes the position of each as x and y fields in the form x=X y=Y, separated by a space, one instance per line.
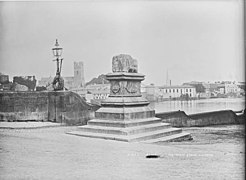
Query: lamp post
x=58 y=82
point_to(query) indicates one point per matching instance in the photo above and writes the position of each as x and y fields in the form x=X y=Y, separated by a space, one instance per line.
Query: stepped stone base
x=149 y=130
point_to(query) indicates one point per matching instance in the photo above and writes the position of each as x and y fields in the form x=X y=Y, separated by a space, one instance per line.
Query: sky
x=193 y=40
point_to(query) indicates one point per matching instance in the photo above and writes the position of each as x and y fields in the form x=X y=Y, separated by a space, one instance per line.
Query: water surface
x=202 y=105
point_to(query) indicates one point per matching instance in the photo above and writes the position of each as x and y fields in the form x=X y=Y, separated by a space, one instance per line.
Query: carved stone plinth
x=125 y=115
x=125 y=101
x=125 y=86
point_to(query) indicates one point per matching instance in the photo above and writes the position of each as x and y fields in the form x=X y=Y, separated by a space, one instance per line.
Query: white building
x=169 y=92
x=97 y=95
x=231 y=88
x=177 y=91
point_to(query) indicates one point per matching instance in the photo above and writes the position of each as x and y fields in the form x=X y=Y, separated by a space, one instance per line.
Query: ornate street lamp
x=58 y=82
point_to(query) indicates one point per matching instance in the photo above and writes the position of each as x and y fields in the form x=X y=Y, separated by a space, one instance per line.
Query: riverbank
x=200 y=106
x=49 y=153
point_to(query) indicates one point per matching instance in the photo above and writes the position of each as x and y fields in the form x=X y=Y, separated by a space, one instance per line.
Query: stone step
x=174 y=137
x=128 y=123
x=154 y=134
x=99 y=135
x=124 y=131
x=129 y=138
x=146 y=128
x=102 y=129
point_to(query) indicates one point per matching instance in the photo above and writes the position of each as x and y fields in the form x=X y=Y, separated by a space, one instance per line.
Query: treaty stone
x=124 y=63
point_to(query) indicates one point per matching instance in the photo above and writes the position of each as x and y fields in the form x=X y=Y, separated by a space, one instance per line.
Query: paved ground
x=27 y=125
x=49 y=153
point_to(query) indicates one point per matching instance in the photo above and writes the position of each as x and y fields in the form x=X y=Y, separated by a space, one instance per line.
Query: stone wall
x=21 y=106
x=63 y=106
x=175 y=118
x=181 y=119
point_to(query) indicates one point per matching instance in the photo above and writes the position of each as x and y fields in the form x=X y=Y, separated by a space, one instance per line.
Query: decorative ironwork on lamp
x=58 y=82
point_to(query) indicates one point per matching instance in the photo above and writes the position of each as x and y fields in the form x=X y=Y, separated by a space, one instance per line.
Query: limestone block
x=124 y=63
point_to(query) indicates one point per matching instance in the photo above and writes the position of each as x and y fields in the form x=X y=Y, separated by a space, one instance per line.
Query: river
x=201 y=105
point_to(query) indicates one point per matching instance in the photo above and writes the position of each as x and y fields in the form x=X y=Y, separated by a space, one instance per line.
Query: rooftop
x=171 y=87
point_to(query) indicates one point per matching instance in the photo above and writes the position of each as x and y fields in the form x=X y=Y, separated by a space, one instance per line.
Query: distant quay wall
x=181 y=119
x=61 y=106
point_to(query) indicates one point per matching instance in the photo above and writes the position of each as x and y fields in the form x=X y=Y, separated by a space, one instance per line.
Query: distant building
x=198 y=85
x=72 y=82
x=5 y=85
x=158 y=93
x=4 y=79
x=97 y=95
x=97 y=92
x=178 y=91
x=24 y=83
x=80 y=91
x=149 y=92
x=94 y=93
x=98 y=87
x=221 y=88
x=45 y=81
x=231 y=88
x=241 y=85
x=79 y=79
x=210 y=87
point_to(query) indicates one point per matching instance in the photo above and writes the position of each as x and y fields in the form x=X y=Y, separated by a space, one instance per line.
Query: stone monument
x=125 y=114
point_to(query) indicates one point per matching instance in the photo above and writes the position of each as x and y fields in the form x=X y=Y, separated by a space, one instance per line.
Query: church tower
x=79 y=79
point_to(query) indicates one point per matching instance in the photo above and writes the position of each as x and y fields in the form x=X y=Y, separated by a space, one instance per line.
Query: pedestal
x=125 y=114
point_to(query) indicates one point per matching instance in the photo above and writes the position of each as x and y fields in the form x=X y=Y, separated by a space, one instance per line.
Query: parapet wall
x=21 y=106
x=181 y=119
x=61 y=106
